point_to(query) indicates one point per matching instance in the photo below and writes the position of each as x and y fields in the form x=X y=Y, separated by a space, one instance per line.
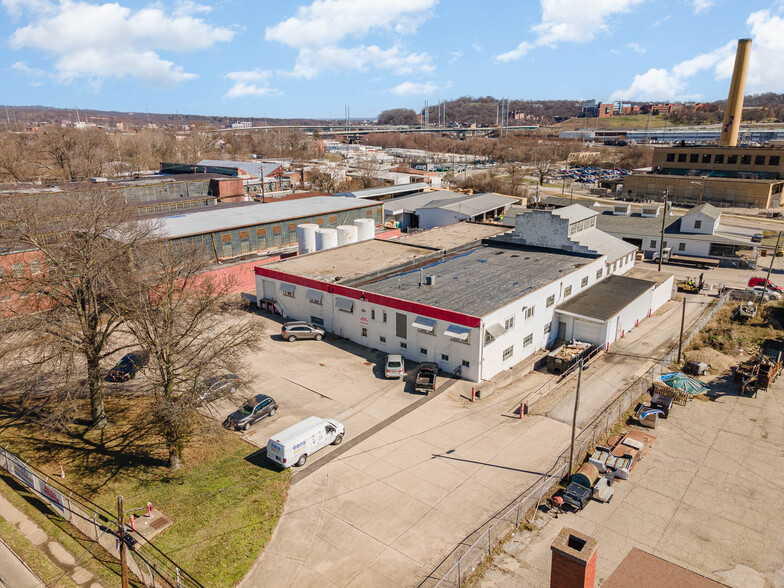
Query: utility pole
x=683 y=321
x=574 y=418
x=661 y=239
x=121 y=536
x=770 y=269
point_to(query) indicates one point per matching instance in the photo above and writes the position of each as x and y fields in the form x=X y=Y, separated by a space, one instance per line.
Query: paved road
x=14 y=573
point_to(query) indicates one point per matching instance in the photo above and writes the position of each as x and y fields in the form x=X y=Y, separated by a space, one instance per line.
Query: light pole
x=702 y=189
x=661 y=239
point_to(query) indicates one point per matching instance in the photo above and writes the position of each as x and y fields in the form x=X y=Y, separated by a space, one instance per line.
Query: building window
x=547 y=328
x=382 y=339
x=774 y=160
x=364 y=331
x=529 y=312
x=599 y=273
x=423 y=351
x=694 y=158
x=584 y=282
x=670 y=157
x=759 y=160
x=317 y=321
x=509 y=323
x=550 y=301
x=681 y=246
x=682 y=157
x=697 y=224
x=567 y=291
x=17 y=270
x=745 y=159
x=719 y=158
x=372 y=314
x=508 y=352
x=732 y=159
x=403 y=345
x=35 y=267
x=706 y=158
x=383 y=316
x=465 y=363
x=653 y=243
x=488 y=338
x=529 y=339
x=444 y=357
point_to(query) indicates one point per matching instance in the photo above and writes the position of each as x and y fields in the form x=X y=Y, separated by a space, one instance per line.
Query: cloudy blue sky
x=292 y=58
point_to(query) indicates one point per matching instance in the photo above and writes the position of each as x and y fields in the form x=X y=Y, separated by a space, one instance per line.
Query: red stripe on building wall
x=457 y=318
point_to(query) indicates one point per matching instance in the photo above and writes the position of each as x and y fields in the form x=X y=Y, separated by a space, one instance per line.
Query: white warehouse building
x=462 y=296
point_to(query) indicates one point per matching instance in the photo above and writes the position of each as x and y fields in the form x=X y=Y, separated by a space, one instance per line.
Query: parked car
x=254 y=409
x=394 y=366
x=301 y=330
x=217 y=387
x=769 y=294
x=756 y=238
x=128 y=366
x=761 y=282
x=293 y=445
x=426 y=378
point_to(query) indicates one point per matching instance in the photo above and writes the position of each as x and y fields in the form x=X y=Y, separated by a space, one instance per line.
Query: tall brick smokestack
x=734 y=111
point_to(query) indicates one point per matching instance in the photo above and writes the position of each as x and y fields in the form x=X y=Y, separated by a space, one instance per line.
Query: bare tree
x=69 y=253
x=193 y=329
x=368 y=169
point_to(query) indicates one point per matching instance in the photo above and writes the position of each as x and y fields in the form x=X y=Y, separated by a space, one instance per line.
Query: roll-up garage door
x=588 y=332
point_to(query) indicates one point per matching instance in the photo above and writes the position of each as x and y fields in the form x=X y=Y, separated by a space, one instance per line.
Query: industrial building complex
x=466 y=298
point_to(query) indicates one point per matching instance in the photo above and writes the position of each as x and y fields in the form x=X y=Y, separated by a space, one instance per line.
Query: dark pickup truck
x=426 y=378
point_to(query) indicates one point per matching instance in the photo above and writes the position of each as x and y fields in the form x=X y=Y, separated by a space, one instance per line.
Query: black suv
x=128 y=366
x=254 y=409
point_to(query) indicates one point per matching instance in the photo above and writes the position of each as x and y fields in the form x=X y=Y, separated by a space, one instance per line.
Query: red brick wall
x=568 y=573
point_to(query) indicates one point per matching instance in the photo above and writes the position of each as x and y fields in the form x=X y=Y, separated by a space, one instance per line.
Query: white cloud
x=98 y=41
x=766 y=68
x=702 y=5
x=573 y=21
x=34 y=74
x=636 y=47
x=317 y=31
x=250 y=83
x=454 y=56
x=415 y=89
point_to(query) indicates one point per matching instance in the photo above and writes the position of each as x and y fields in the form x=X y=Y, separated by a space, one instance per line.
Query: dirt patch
x=733 y=338
x=718 y=361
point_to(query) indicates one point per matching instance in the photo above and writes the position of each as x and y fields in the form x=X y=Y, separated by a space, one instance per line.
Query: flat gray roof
x=474 y=204
x=348 y=263
x=254 y=168
x=606 y=298
x=481 y=280
x=650 y=226
x=212 y=220
x=385 y=190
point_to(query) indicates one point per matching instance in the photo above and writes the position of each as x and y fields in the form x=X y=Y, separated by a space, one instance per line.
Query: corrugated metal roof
x=254 y=168
x=209 y=221
x=606 y=298
x=385 y=190
x=473 y=205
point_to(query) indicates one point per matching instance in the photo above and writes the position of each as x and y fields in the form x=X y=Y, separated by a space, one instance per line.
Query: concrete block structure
x=573 y=561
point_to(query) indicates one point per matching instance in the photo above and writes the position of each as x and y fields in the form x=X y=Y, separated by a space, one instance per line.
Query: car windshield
x=394 y=364
x=247 y=408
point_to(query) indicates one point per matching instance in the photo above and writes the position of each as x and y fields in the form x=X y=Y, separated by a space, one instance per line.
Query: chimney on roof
x=734 y=110
x=573 y=563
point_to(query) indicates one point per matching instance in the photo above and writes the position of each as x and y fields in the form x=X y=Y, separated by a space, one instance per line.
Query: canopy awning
x=496 y=330
x=344 y=304
x=287 y=288
x=315 y=295
x=458 y=332
x=424 y=324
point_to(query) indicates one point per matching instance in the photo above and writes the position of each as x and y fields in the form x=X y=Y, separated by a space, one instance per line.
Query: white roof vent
x=650 y=211
x=622 y=209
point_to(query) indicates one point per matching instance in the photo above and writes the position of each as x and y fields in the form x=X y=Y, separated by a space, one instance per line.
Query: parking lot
x=331 y=378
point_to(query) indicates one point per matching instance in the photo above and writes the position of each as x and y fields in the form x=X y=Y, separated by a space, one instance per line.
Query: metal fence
x=148 y=563
x=474 y=549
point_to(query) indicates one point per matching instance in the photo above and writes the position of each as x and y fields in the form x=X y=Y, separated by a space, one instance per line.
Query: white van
x=295 y=444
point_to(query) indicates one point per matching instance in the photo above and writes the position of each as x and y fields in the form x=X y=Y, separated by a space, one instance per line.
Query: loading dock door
x=587 y=331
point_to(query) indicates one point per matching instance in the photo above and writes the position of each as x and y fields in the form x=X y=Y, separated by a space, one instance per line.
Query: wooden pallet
x=678 y=396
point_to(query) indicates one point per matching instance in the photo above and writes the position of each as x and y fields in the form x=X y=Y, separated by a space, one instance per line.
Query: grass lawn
x=635 y=121
x=223 y=505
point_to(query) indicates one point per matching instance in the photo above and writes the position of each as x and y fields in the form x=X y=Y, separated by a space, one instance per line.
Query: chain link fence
x=476 y=548
x=148 y=563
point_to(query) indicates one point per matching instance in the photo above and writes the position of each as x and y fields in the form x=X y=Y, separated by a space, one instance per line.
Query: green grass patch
x=224 y=502
x=46 y=570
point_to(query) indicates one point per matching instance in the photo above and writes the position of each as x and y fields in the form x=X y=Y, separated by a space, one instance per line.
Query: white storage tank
x=306 y=238
x=326 y=239
x=347 y=234
x=367 y=228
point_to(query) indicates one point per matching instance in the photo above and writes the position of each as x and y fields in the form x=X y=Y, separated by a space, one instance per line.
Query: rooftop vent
x=650 y=211
x=622 y=209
